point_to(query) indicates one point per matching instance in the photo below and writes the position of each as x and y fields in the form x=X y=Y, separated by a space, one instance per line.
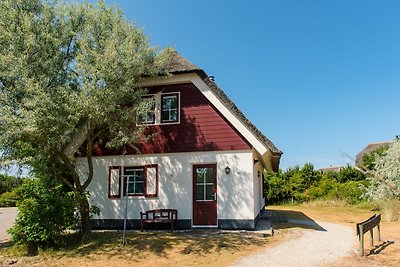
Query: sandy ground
x=311 y=248
x=7 y=218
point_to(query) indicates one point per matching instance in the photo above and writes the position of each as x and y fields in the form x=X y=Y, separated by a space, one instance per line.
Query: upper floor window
x=150 y=116
x=166 y=109
x=169 y=108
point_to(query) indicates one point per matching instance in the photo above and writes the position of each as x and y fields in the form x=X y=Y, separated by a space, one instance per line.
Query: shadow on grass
x=195 y=242
x=294 y=219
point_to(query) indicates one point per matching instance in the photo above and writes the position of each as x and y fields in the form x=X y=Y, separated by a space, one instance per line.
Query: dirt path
x=7 y=218
x=310 y=248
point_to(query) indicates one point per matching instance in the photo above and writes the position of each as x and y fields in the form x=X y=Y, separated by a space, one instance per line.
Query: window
x=204 y=184
x=165 y=109
x=148 y=117
x=169 y=108
x=137 y=181
x=134 y=181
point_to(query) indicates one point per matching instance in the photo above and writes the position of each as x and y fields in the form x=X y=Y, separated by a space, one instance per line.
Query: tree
x=67 y=73
x=368 y=160
x=385 y=178
x=8 y=183
x=349 y=173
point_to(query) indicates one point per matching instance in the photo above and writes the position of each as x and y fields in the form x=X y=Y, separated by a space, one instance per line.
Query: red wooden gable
x=201 y=127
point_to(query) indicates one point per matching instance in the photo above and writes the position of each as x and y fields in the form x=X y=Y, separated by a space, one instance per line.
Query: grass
x=190 y=248
x=214 y=247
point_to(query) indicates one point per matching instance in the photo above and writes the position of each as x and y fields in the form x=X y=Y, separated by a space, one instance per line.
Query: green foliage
x=8 y=183
x=349 y=173
x=46 y=210
x=385 y=178
x=8 y=199
x=368 y=160
x=67 y=78
x=306 y=184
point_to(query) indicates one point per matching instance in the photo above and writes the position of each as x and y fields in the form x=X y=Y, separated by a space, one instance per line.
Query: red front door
x=205 y=194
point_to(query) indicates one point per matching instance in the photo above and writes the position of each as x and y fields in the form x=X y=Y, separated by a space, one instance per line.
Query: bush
x=306 y=184
x=321 y=190
x=46 y=210
x=351 y=192
x=349 y=173
x=8 y=199
x=8 y=183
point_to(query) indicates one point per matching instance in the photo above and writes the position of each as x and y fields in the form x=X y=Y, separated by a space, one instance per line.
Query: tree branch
x=68 y=183
x=89 y=158
x=63 y=158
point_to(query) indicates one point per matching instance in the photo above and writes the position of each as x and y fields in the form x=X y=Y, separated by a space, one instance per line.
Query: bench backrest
x=163 y=214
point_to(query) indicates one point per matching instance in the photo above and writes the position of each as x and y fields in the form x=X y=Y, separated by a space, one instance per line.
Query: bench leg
x=141 y=225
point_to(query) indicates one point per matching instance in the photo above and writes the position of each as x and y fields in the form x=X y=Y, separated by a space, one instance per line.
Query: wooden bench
x=159 y=216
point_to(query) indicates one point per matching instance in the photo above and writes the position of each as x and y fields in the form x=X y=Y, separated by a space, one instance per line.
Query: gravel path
x=7 y=218
x=310 y=248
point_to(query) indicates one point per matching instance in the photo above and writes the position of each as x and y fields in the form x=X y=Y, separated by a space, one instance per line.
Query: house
x=332 y=169
x=368 y=149
x=206 y=159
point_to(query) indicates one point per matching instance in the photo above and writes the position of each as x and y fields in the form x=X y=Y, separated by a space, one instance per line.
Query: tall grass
x=390 y=209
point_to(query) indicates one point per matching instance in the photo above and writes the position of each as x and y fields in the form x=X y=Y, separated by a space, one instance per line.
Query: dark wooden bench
x=159 y=216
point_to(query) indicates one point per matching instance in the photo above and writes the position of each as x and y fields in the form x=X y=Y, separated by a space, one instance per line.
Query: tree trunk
x=84 y=210
x=32 y=248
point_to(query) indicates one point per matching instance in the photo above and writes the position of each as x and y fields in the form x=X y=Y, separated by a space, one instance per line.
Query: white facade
x=239 y=195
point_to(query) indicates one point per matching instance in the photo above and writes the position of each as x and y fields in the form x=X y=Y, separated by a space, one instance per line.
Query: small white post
x=126 y=211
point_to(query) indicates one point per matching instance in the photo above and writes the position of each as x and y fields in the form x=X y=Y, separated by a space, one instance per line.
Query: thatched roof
x=178 y=64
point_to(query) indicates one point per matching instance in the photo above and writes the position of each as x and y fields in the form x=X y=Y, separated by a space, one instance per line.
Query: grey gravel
x=307 y=248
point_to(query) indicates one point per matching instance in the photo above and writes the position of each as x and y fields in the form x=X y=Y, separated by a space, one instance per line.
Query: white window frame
x=129 y=180
x=170 y=95
x=158 y=109
x=204 y=184
x=138 y=122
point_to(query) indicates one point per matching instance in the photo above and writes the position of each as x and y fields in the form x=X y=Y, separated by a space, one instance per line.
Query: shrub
x=8 y=183
x=306 y=184
x=321 y=190
x=351 y=192
x=8 y=199
x=349 y=173
x=46 y=210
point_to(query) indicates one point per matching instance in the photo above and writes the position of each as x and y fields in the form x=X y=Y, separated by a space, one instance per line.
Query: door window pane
x=204 y=184
x=199 y=192
x=209 y=176
x=209 y=192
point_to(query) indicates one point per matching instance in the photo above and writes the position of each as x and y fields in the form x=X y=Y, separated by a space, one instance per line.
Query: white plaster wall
x=259 y=199
x=235 y=191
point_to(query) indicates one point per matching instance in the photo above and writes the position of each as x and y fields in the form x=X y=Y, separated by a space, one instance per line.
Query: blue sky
x=319 y=78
